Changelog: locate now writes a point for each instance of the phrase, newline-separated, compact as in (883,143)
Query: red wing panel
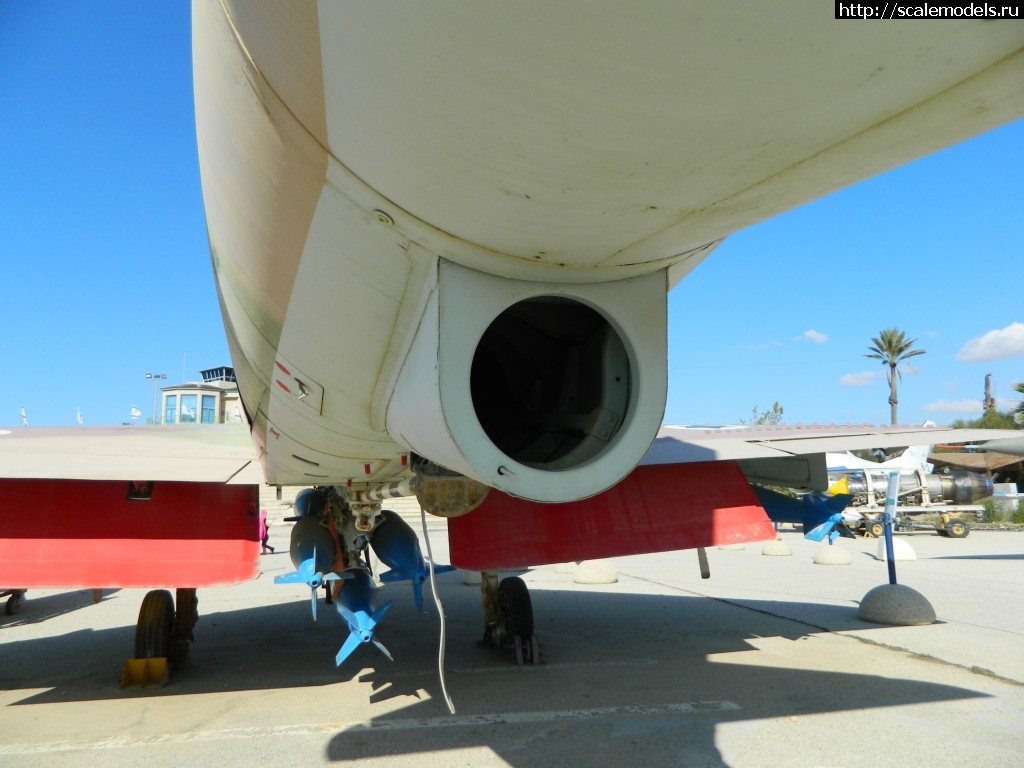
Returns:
(100,533)
(655,509)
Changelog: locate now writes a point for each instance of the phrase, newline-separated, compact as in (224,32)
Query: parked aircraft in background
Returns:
(913,457)
(442,239)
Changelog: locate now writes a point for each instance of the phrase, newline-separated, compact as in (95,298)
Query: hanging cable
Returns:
(440,611)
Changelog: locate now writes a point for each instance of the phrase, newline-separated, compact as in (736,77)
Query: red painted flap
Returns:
(655,509)
(107,533)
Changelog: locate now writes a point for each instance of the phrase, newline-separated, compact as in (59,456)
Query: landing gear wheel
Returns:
(154,632)
(515,620)
(874,529)
(957,529)
(13,603)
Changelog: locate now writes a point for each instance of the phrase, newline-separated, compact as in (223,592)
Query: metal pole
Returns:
(155,377)
(887,518)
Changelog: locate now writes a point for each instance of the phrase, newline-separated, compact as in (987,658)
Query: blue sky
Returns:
(107,273)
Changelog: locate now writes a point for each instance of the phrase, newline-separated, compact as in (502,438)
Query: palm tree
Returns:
(893,347)
(1018,412)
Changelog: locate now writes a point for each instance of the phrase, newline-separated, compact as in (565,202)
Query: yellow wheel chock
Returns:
(142,673)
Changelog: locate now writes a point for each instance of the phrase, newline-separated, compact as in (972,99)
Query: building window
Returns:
(209,409)
(171,409)
(188,409)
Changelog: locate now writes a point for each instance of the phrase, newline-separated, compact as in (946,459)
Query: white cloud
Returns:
(858,379)
(954,406)
(815,336)
(994,345)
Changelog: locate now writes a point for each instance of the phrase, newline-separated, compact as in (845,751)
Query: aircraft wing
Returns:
(221,453)
(128,506)
(794,456)
(691,490)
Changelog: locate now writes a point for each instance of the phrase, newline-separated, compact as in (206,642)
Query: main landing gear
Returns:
(13,601)
(163,636)
(508,617)
(163,630)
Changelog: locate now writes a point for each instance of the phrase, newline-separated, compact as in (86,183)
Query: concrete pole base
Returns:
(595,572)
(896,605)
(901,550)
(776,548)
(830,554)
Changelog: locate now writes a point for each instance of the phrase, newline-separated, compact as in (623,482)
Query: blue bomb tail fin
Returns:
(824,517)
(351,643)
(356,608)
(396,544)
(417,578)
(361,627)
(820,515)
(308,575)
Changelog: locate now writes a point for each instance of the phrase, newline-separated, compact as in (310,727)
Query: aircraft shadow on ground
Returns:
(643,638)
(34,610)
(613,663)
(621,721)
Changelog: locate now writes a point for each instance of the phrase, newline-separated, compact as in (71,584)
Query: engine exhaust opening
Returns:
(550,382)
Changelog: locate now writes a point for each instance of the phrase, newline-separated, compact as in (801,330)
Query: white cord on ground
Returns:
(440,612)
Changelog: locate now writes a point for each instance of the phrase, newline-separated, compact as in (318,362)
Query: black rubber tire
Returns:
(13,604)
(154,632)
(874,529)
(515,609)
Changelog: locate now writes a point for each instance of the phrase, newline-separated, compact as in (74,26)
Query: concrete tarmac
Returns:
(764,664)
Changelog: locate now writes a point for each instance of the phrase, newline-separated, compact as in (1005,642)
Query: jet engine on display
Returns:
(867,487)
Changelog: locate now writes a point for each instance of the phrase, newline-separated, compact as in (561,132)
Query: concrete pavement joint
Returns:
(513,668)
